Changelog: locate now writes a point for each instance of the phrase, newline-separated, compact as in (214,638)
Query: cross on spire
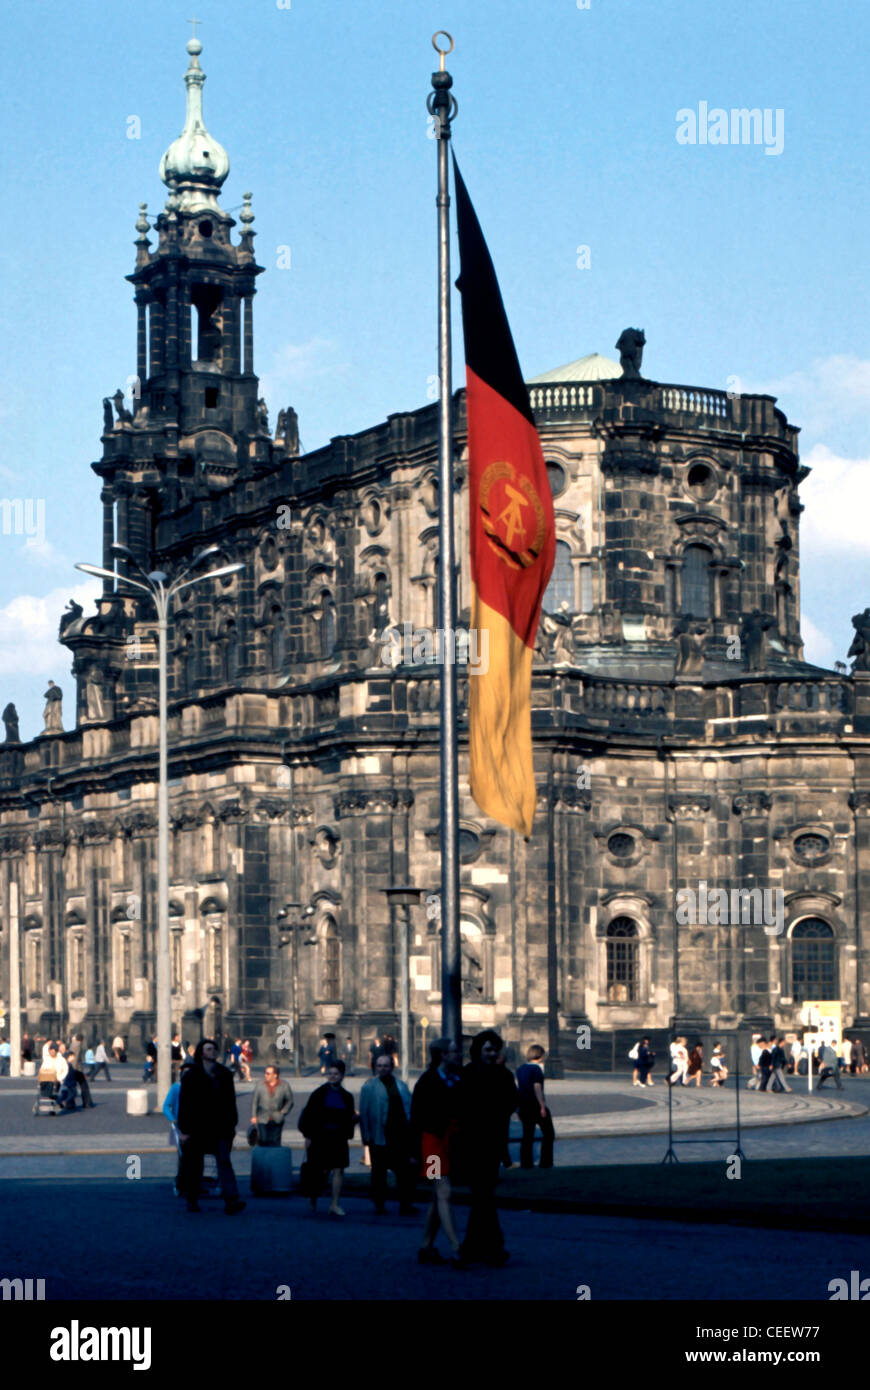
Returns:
(194,22)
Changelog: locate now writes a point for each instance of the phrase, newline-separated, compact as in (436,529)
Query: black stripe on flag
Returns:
(489,347)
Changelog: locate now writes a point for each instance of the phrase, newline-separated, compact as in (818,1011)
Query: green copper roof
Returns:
(593,367)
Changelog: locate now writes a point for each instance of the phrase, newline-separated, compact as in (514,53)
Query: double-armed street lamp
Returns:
(162,591)
(287,928)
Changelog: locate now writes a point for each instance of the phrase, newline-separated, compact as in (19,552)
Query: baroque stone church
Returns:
(679,735)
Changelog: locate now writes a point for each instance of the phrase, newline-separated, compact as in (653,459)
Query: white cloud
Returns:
(836,496)
(295,363)
(28,630)
(829,397)
(818,647)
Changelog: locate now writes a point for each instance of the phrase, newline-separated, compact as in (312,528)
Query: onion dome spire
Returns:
(195,165)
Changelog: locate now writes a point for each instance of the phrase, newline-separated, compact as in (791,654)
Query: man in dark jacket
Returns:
(207,1119)
(777,1063)
(488,1099)
(765,1064)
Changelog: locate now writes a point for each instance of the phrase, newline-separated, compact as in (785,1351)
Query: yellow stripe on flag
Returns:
(501,770)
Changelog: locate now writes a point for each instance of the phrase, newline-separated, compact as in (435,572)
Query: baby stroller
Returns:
(46,1094)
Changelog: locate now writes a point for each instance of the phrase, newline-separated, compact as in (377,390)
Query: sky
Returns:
(746,269)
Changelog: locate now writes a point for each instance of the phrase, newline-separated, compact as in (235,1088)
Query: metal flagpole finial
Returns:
(442,52)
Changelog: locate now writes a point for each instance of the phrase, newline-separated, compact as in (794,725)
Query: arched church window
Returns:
(560,590)
(622,961)
(696,587)
(330,962)
(813,960)
(382,602)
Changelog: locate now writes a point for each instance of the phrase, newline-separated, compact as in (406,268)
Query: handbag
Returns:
(253,1136)
(633,1054)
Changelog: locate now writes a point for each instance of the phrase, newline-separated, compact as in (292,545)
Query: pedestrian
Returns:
(853,1056)
(76,1058)
(271,1103)
(435,1116)
(489,1097)
(176,1055)
(236,1058)
(149,1071)
(765,1064)
(349,1056)
(170,1110)
(5,1056)
(327,1053)
(118,1048)
(374,1052)
(390,1046)
(695,1068)
(101,1061)
(717,1066)
(26,1048)
(246,1057)
(797,1053)
(54,1066)
(533,1110)
(755,1050)
(327,1123)
(829,1065)
(859,1054)
(845,1055)
(634,1054)
(646,1060)
(207,1119)
(679,1062)
(777,1064)
(385,1113)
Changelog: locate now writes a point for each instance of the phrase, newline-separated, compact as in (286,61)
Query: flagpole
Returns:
(442,106)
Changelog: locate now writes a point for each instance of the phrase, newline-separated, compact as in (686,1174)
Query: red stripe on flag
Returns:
(512,527)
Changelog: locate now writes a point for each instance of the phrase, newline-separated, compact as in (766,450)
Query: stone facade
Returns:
(680,738)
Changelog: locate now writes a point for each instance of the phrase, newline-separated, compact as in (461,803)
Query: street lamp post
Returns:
(404,896)
(162,593)
(287,937)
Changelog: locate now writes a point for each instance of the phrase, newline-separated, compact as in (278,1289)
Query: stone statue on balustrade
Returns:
(53,712)
(124,416)
(691,643)
(10,720)
(630,345)
(287,431)
(756,626)
(557,626)
(860,647)
(262,416)
(70,615)
(108,419)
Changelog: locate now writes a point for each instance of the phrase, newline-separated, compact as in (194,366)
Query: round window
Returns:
(205,228)
(811,847)
(621,845)
(701,482)
(558,481)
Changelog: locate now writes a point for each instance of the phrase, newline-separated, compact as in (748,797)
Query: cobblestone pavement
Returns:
(133,1240)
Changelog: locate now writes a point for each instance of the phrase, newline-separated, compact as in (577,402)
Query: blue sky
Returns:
(736,263)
